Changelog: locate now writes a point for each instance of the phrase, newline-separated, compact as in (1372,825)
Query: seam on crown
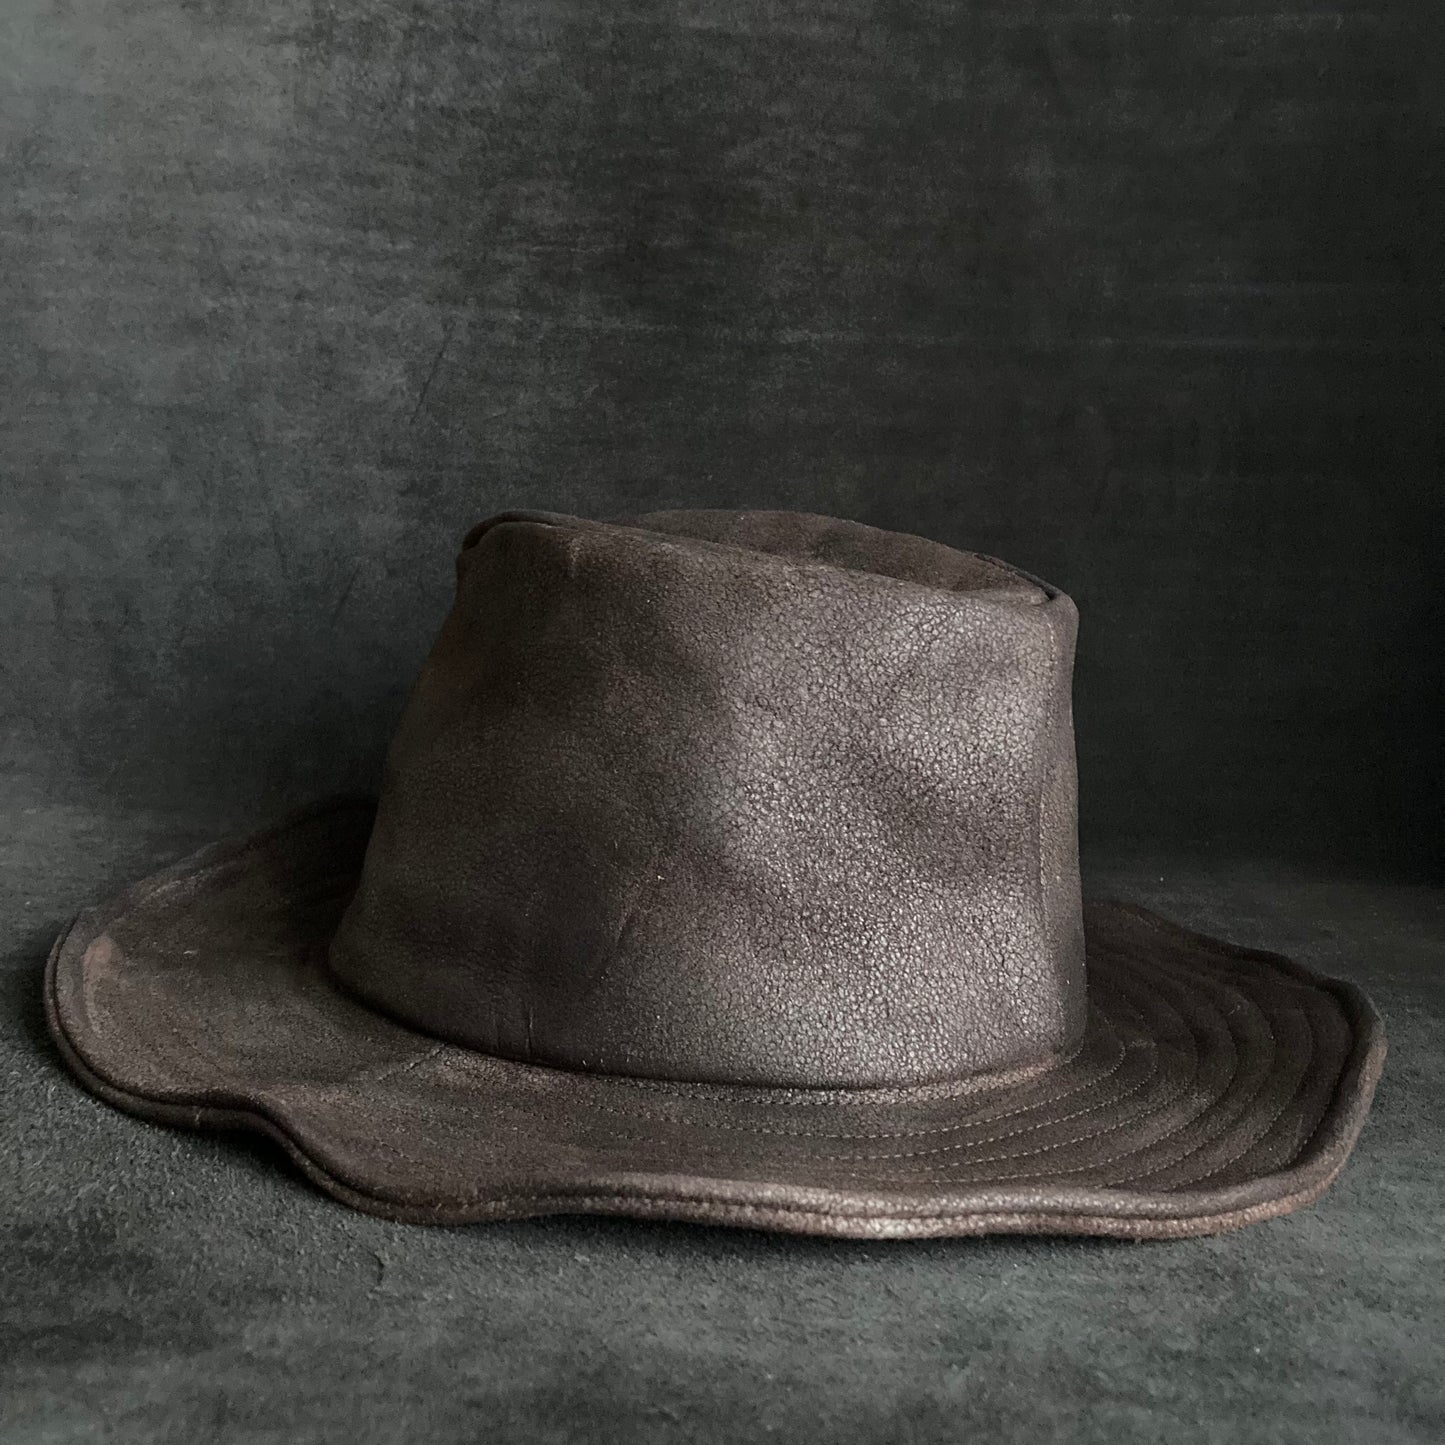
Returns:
(682,541)
(1044,762)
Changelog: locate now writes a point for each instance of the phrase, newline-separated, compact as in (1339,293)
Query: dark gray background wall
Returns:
(1139,294)
(1141,299)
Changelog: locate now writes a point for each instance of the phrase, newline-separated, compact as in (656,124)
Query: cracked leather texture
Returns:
(758,798)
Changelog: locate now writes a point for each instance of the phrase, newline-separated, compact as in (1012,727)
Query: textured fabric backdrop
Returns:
(295,290)
(1138,297)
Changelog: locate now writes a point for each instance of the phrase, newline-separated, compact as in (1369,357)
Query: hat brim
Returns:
(1214,1086)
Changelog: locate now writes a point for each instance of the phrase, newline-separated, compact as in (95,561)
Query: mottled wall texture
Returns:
(1140,298)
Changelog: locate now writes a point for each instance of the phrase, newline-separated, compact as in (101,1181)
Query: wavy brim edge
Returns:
(97,1012)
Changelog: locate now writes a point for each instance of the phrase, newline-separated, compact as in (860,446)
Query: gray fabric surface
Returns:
(163,1286)
(1142,299)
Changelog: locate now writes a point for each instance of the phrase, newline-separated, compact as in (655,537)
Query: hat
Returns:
(724,869)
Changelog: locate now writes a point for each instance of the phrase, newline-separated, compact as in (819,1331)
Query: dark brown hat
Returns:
(724,870)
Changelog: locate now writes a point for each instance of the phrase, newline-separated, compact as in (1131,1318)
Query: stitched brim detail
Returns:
(1214,1086)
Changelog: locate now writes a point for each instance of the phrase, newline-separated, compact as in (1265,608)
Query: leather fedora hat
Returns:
(724,869)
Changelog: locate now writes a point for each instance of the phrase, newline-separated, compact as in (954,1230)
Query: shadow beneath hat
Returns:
(715,1244)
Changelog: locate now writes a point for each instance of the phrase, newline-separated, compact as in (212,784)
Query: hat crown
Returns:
(755,798)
